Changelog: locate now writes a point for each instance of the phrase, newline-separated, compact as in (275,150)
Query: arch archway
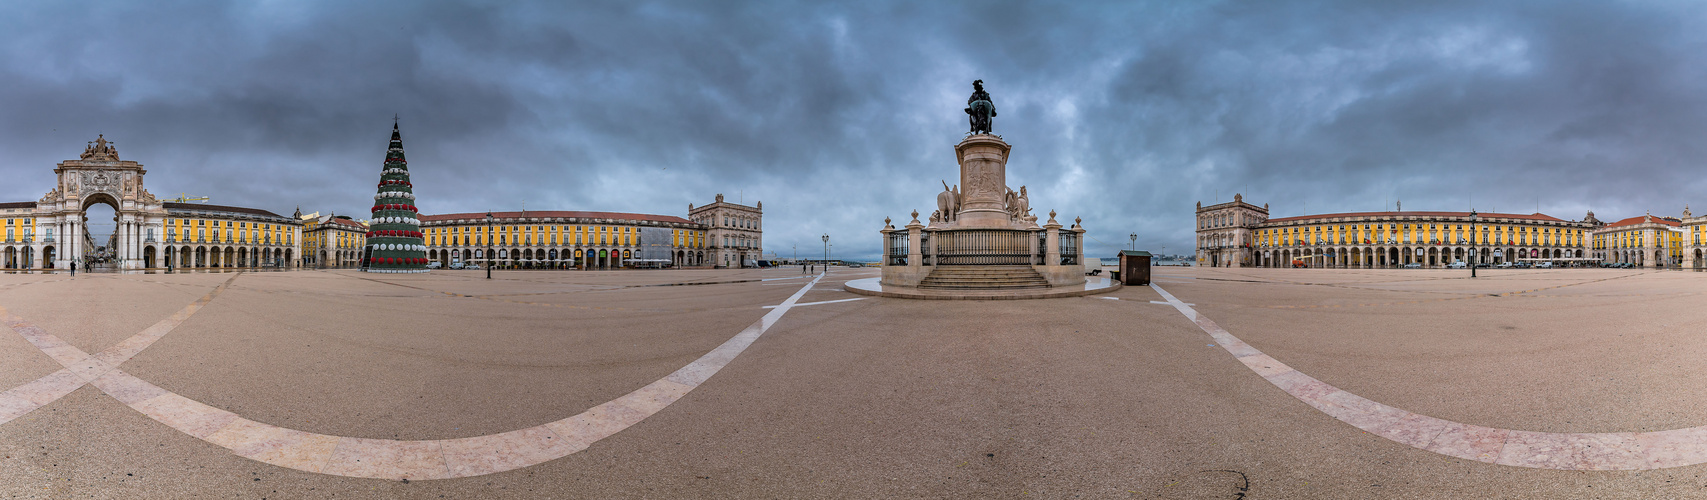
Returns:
(98,217)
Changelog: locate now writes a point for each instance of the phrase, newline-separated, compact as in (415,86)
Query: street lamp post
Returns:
(1473,249)
(488,245)
(827,253)
(1134,238)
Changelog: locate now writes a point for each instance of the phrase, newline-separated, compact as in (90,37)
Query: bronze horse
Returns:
(980,111)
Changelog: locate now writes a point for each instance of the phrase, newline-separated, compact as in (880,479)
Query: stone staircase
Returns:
(983,278)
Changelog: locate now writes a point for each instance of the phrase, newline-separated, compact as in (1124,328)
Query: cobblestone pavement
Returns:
(1214,383)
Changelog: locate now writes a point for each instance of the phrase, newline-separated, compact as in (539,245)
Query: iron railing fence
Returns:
(897,249)
(1069,248)
(983,247)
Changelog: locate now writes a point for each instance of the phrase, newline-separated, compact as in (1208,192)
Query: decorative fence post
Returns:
(1079,238)
(914,257)
(1037,239)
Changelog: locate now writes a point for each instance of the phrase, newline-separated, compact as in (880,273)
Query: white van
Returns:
(1457,264)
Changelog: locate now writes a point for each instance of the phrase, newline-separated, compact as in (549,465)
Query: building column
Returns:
(73,248)
(123,247)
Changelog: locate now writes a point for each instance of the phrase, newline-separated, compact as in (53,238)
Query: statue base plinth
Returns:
(985,219)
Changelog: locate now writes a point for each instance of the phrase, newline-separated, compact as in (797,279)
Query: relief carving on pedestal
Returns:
(983,179)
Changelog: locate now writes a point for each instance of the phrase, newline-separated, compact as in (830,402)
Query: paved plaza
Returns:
(1272,383)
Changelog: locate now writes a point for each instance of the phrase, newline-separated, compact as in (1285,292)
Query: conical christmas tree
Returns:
(394,240)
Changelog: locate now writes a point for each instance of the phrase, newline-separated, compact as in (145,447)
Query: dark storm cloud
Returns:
(837,116)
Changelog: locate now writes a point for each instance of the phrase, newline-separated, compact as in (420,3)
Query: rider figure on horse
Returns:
(979,109)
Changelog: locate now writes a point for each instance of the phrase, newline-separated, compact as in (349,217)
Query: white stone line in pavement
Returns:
(1166,303)
(431,459)
(820,302)
(80,367)
(1540,450)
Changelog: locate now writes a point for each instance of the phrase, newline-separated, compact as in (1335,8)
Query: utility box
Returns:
(1134,267)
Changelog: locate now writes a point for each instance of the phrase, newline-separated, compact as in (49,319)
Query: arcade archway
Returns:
(99,215)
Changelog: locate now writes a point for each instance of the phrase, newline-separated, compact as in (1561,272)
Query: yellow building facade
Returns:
(208,236)
(1695,239)
(1239,234)
(333,242)
(565,240)
(1644,241)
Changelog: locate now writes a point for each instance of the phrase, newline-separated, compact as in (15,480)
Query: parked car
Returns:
(456,265)
(1457,264)
(855,264)
(1413,265)
(435,265)
(1544,265)
(471,266)
(1505,265)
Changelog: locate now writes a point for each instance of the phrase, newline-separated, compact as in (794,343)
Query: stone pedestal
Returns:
(983,182)
(979,240)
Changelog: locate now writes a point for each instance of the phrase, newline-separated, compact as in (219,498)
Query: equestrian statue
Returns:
(980,111)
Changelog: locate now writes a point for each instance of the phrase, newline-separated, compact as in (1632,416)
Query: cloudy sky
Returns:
(836,116)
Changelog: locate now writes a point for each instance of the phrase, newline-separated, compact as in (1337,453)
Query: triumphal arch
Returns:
(52,233)
(99,176)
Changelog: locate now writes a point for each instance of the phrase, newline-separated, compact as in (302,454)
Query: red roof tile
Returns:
(1639,219)
(1489,215)
(347,222)
(553,214)
(219,208)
